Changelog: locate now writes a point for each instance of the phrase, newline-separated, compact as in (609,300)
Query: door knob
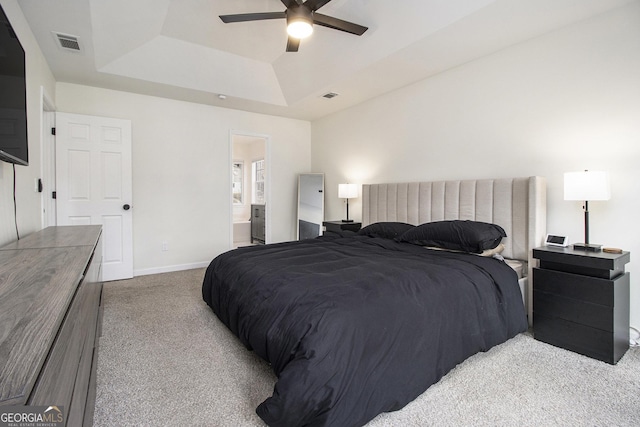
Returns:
(126,207)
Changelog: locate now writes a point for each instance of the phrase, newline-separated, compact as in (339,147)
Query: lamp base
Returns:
(347,220)
(588,247)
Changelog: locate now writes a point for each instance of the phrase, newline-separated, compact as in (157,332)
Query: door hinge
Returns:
(53,131)
(53,195)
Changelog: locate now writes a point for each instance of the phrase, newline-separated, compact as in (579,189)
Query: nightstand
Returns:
(581,301)
(337,226)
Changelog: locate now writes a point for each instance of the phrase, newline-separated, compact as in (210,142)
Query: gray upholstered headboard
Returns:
(516,204)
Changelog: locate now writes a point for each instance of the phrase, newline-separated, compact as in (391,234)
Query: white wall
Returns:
(28,201)
(566,101)
(181,171)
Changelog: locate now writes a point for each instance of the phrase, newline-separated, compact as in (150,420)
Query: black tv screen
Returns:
(13,96)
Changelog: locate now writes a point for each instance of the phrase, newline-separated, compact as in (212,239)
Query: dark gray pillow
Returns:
(386,230)
(467,236)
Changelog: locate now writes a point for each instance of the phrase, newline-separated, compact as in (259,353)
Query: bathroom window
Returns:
(237,183)
(257,173)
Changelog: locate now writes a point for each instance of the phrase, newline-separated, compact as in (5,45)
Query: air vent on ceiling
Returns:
(68,42)
(330,95)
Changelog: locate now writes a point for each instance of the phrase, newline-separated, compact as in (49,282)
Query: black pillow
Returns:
(467,236)
(386,230)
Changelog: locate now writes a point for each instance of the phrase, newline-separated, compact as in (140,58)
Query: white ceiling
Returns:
(180,49)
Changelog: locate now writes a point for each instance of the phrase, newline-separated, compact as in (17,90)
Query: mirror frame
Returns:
(299,204)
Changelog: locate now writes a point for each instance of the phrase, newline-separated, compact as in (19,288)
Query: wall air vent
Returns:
(330,95)
(68,42)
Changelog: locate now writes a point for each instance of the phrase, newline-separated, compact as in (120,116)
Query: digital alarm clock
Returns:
(554,240)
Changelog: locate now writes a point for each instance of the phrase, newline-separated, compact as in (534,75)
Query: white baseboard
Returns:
(170,268)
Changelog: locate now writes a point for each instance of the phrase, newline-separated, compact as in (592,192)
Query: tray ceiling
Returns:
(180,49)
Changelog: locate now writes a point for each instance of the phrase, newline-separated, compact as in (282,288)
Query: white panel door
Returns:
(93,184)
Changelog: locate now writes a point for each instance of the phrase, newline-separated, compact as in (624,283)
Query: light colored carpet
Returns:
(166,360)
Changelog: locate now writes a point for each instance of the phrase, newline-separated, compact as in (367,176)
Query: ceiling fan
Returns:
(300,19)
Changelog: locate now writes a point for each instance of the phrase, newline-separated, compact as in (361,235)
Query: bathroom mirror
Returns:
(237,183)
(310,205)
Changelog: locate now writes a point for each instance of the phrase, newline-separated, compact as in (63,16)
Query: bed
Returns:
(356,324)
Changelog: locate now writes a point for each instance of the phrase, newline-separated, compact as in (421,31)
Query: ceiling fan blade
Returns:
(293,44)
(244,17)
(338,24)
(315,4)
(290,3)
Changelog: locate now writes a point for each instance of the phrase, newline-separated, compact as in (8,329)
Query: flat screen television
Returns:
(13,96)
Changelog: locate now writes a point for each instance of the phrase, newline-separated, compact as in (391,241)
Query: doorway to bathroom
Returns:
(249,189)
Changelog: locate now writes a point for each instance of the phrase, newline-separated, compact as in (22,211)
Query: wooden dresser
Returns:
(50,290)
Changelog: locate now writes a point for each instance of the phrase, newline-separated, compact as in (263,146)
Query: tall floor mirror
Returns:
(310,205)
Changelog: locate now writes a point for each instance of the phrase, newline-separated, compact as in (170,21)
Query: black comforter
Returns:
(355,326)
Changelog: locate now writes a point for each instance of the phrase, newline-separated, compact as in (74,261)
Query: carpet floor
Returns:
(165,360)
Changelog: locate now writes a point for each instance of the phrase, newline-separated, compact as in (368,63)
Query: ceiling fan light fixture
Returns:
(301,15)
(299,29)
(299,22)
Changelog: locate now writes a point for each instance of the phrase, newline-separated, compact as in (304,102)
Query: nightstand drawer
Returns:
(584,288)
(572,310)
(337,226)
(579,338)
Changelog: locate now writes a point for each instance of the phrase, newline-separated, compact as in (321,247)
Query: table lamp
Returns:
(347,191)
(586,186)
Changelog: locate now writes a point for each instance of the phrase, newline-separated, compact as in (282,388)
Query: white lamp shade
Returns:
(586,186)
(347,191)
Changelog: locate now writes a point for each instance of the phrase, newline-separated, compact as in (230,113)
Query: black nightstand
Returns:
(581,301)
(337,226)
